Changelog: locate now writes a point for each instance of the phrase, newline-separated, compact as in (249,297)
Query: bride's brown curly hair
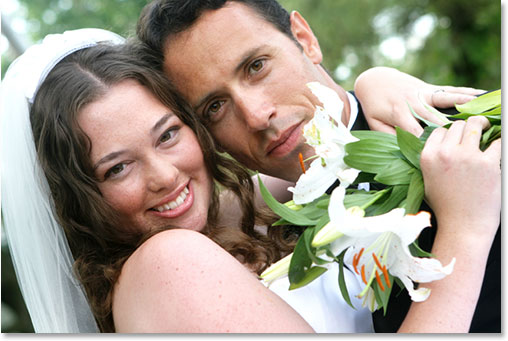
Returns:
(99,246)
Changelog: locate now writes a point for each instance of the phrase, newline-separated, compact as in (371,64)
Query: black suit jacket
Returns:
(487,316)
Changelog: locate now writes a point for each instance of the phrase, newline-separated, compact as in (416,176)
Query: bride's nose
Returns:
(161,174)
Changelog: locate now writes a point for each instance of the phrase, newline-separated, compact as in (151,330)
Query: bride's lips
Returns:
(286,143)
(181,209)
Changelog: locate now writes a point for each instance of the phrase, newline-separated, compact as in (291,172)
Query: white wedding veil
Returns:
(40,253)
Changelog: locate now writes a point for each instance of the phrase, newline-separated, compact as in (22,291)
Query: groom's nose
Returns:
(256,109)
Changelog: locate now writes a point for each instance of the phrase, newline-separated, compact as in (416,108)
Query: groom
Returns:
(243,66)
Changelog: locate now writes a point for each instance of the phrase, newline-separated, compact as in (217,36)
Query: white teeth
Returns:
(175,203)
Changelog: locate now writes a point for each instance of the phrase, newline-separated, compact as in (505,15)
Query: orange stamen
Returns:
(356,259)
(300,157)
(378,279)
(360,253)
(377,261)
(355,263)
(363,274)
(387,278)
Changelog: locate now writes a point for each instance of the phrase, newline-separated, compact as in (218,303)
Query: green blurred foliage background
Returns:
(452,42)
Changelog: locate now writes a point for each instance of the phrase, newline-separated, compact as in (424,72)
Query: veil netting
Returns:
(40,253)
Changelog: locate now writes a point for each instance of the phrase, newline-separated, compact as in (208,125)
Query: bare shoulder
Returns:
(159,276)
(180,281)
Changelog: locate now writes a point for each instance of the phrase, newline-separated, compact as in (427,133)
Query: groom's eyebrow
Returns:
(243,60)
(247,56)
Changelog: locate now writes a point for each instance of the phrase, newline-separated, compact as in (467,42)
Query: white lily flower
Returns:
(378,245)
(329,136)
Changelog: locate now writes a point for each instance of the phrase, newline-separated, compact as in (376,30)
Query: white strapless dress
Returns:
(321,304)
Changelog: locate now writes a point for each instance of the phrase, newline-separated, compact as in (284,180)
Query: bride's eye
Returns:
(169,134)
(115,170)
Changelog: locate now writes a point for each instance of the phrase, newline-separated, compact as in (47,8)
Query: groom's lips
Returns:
(286,142)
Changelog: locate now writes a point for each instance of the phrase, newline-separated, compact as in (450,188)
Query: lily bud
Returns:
(329,233)
(277,270)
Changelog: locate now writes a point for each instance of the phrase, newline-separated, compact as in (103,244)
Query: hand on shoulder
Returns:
(385,93)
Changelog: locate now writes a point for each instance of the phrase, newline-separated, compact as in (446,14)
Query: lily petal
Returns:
(314,183)
(331,101)
(417,295)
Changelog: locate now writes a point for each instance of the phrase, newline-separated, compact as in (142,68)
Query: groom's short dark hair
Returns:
(162,18)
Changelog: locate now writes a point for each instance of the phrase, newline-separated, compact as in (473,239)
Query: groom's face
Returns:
(247,80)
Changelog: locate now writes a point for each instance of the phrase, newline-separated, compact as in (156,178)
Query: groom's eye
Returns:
(256,66)
(213,109)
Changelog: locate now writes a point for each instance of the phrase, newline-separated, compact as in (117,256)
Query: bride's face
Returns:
(149,164)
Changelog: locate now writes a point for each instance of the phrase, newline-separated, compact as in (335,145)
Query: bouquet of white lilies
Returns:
(372,233)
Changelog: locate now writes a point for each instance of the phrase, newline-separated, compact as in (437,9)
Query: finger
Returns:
(443,99)
(463,90)
(381,126)
(410,124)
(495,150)
(473,130)
(435,139)
(431,148)
(454,134)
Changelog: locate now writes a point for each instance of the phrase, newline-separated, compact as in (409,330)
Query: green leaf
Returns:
(494,114)
(317,208)
(323,203)
(415,193)
(410,146)
(382,296)
(294,217)
(310,275)
(396,173)
(398,193)
(362,198)
(281,222)
(358,199)
(481,103)
(370,155)
(489,136)
(342,281)
(381,137)
(427,122)
(417,251)
(426,133)
(300,261)
(364,177)
(309,236)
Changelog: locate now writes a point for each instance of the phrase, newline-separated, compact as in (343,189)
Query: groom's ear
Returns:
(305,37)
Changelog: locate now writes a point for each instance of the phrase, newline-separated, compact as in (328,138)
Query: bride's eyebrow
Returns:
(107,158)
(161,122)
(155,128)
